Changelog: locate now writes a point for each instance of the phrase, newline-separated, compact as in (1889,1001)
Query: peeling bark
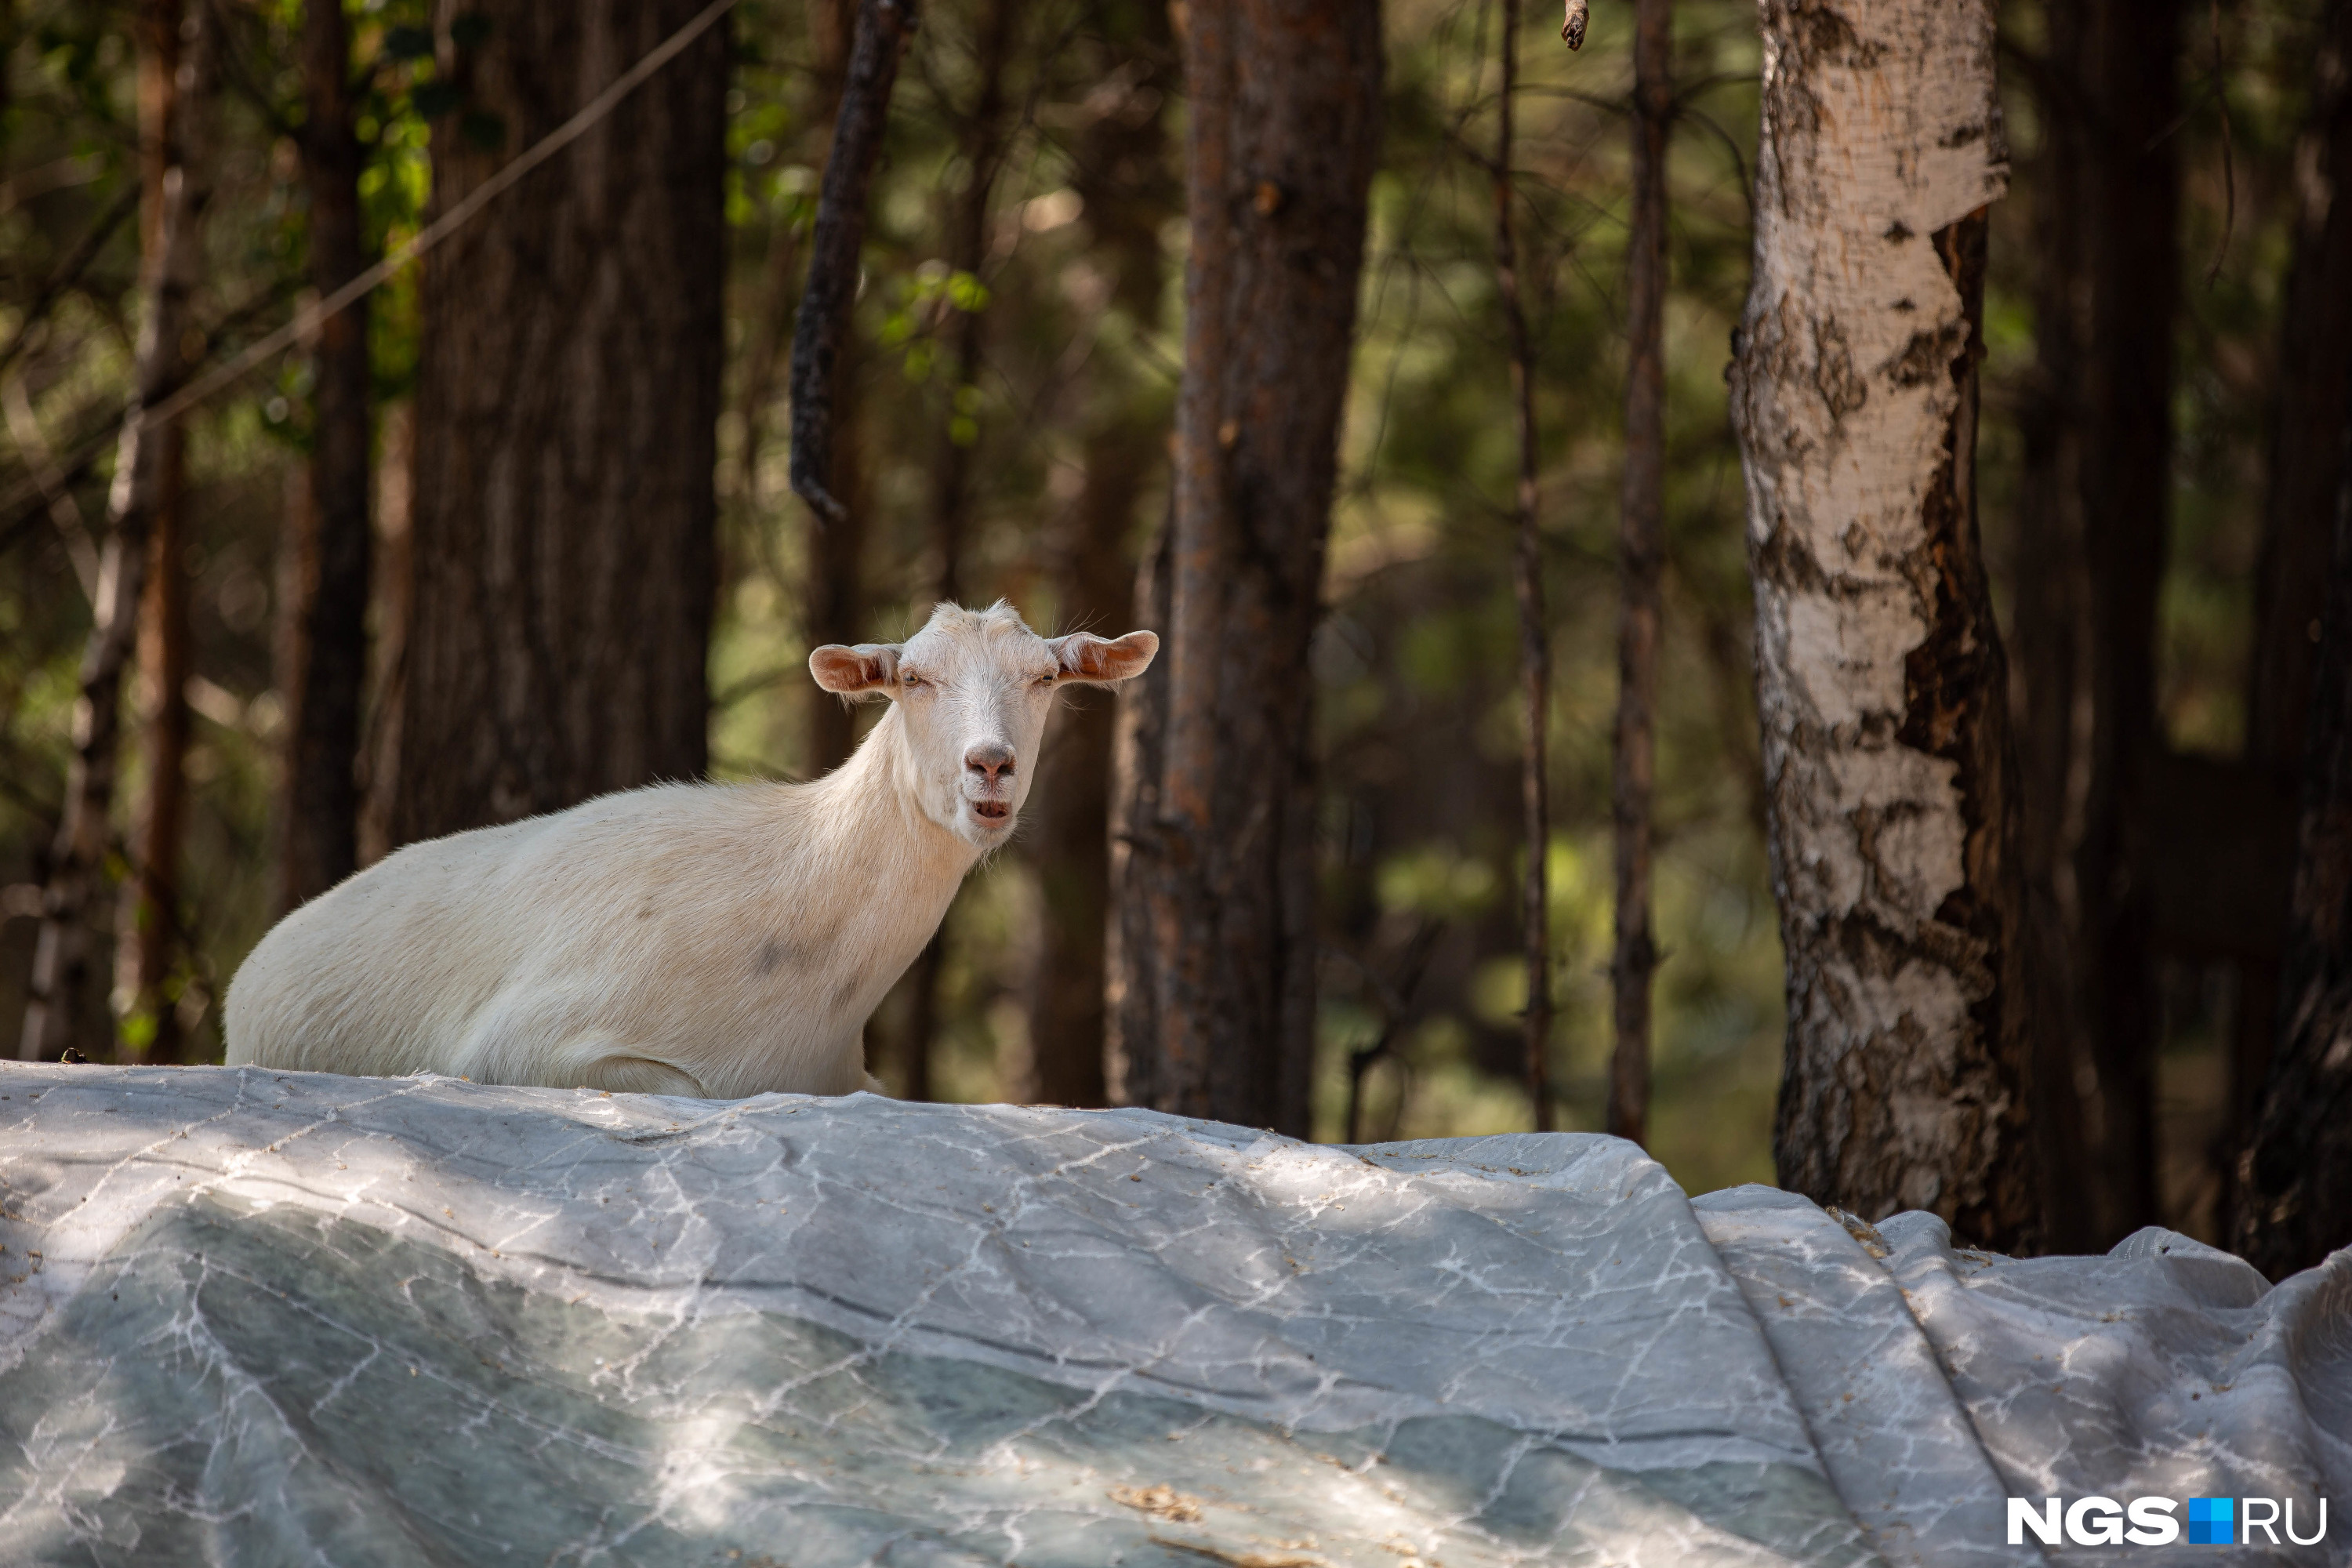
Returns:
(1879,670)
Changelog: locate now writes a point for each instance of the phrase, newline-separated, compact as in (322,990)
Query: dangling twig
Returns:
(884,27)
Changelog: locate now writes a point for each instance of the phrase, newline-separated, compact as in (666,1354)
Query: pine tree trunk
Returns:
(2052,622)
(1133,1069)
(833,597)
(1284,101)
(1120,176)
(1069,1029)
(324,686)
(1879,671)
(2294,1180)
(2133,256)
(567,398)
(2307,452)
(1534,649)
(1641,559)
(392,605)
(981,150)
(2306,474)
(61,1009)
(147,938)
(147,906)
(2091,542)
(769,340)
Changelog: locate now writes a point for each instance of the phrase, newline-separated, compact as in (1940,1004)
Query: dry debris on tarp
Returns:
(257,1318)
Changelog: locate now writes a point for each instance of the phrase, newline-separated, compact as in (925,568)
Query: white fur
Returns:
(685,939)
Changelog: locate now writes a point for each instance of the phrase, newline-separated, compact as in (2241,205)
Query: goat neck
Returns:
(877,864)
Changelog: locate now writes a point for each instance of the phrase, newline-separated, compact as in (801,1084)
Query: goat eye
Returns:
(910,681)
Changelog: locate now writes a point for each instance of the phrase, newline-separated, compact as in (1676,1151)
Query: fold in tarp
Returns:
(254,1318)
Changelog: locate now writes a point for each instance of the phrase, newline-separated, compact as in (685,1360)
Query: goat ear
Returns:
(1086,656)
(868,666)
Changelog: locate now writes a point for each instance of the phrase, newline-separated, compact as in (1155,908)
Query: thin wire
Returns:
(306,320)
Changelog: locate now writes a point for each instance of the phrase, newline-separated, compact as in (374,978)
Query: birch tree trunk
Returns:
(57,1012)
(1284,99)
(1879,670)
(567,400)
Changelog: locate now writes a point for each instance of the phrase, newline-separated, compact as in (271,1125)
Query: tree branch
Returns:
(884,27)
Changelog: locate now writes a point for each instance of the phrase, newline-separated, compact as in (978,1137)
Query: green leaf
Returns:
(967,293)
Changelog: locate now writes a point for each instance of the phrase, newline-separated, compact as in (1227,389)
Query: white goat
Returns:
(685,939)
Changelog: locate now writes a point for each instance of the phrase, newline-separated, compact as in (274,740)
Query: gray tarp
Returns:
(254,1318)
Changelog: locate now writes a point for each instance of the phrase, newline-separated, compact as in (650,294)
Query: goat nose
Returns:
(991,758)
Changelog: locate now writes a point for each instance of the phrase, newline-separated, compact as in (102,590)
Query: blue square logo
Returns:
(2211,1521)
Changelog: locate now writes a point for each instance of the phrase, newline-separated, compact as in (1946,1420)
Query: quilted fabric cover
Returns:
(255,1318)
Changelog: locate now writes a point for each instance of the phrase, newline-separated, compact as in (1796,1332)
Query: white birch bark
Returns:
(1879,673)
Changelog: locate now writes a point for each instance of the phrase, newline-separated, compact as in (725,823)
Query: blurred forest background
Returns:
(1006,413)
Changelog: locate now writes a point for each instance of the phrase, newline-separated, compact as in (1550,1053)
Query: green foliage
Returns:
(1413,671)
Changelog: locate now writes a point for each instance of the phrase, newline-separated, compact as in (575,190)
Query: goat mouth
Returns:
(995,813)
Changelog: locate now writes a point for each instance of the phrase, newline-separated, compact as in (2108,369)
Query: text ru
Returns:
(2149,1521)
